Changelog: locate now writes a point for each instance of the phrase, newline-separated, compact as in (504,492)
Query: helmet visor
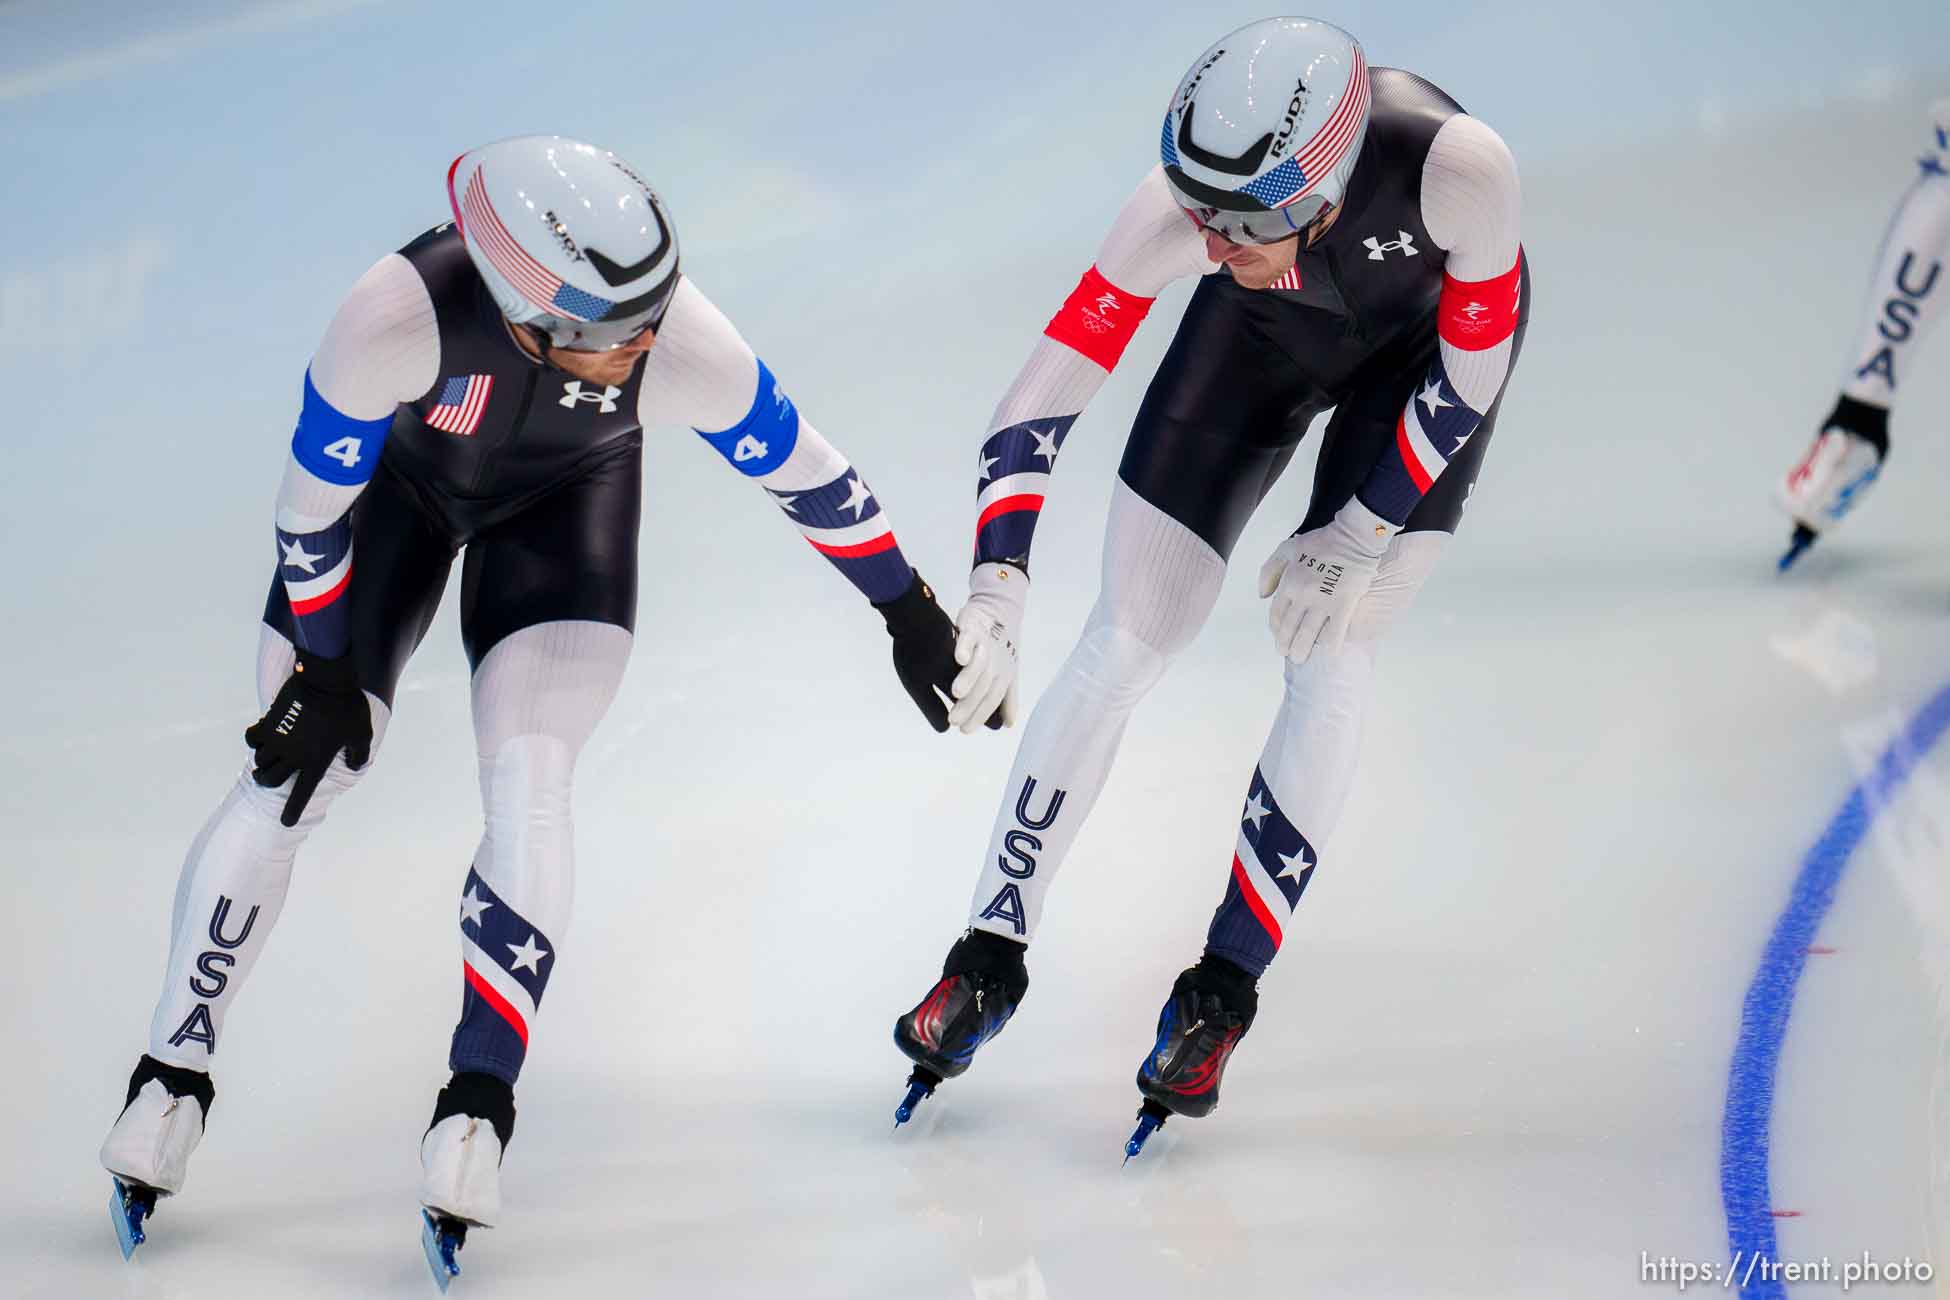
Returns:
(591,336)
(1266,226)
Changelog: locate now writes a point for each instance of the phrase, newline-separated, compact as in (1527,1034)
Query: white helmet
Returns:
(567,237)
(1266,127)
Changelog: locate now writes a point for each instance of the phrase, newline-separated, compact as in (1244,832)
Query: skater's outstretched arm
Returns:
(702,373)
(1472,207)
(1152,243)
(1906,296)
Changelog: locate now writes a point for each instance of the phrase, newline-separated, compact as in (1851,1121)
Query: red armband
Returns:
(1478,314)
(1098,319)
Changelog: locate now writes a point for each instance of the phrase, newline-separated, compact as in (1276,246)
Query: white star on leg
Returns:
(1464,442)
(296,557)
(1256,812)
(1432,397)
(471,907)
(857,498)
(1295,864)
(1045,445)
(785,504)
(529,955)
(985,464)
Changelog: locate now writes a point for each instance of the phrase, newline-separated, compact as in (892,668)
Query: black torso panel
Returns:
(496,424)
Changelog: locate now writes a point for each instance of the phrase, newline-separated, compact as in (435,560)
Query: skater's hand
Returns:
(319,712)
(986,634)
(924,649)
(1316,580)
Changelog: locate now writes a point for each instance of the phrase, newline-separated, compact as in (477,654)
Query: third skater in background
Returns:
(1905,299)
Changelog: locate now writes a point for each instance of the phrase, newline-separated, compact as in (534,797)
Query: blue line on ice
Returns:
(1764,1017)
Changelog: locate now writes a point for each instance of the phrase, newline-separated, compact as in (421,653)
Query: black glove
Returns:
(319,711)
(924,649)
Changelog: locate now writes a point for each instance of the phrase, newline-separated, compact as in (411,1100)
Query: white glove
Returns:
(1831,478)
(1317,578)
(985,647)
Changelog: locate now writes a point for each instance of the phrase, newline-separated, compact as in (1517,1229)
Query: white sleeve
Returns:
(702,373)
(1151,243)
(1472,205)
(382,348)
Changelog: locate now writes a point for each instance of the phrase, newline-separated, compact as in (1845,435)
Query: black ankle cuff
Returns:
(1867,422)
(981,952)
(179,1082)
(480,1096)
(1236,988)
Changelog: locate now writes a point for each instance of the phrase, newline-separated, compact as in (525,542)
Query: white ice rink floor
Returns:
(1493,1059)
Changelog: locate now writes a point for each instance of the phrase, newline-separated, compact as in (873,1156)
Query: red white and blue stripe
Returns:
(316,569)
(1271,866)
(505,962)
(1012,479)
(1472,317)
(460,404)
(1432,428)
(844,522)
(528,277)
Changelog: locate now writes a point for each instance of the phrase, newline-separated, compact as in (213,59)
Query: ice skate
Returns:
(148,1149)
(460,1156)
(1210,1009)
(982,982)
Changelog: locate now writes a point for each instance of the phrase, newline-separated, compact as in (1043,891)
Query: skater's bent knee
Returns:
(528,777)
(1119,659)
(263,805)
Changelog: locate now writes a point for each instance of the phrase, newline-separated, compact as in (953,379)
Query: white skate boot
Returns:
(148,1149)
(460,1161)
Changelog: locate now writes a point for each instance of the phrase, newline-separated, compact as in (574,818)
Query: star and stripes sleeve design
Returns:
(1010,483)
(1471,205)
(382,348)
(1150,244)
(812,483)
(843,522)
(1271,865)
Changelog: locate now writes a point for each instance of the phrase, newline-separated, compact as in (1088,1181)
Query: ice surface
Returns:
(1492,1058)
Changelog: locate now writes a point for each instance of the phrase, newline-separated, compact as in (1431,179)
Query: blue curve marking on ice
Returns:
(1764,1016)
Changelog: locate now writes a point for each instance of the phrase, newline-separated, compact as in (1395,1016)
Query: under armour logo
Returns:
(572,393)
(1378,251)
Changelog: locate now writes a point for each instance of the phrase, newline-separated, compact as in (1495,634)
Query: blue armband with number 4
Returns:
(333,445)
(760,443)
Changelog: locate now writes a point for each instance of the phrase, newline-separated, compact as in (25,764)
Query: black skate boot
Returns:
(148,1149)
(1210,1009)
(460,1156)
(981,984)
